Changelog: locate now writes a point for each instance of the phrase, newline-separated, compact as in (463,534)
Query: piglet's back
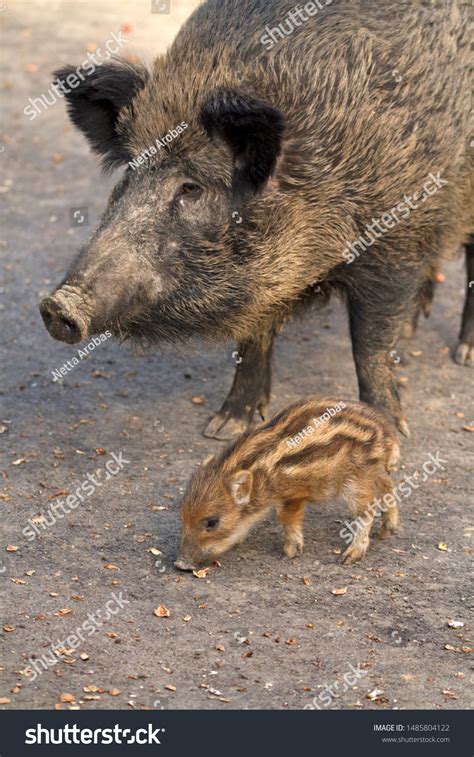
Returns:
(325,428)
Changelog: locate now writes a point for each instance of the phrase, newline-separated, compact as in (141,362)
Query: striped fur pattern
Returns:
(286,464)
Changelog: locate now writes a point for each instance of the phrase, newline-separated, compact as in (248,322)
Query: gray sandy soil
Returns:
(259,631)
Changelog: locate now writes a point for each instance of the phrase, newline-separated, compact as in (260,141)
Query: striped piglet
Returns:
(310,452)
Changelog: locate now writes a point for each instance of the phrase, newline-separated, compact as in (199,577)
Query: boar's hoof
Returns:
(224,426)
(402,425)
(464,354)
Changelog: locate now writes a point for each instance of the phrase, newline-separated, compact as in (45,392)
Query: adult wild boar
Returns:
(300,130)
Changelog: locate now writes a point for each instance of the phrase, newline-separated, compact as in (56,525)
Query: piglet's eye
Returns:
(211,523)
(189,192)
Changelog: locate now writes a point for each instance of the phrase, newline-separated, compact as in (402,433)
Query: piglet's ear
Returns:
(241,487)
(253,129)
(94,100)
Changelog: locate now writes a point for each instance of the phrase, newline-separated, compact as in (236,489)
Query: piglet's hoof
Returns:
(293,548)
(353,554)
(224,426)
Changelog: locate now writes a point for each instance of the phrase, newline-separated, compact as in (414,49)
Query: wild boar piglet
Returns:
(315,450)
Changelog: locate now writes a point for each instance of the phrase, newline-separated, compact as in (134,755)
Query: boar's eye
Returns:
(211,523)
(188,192)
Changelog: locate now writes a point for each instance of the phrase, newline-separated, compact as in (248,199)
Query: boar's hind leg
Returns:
(465,350)
(375,326)
(250,391)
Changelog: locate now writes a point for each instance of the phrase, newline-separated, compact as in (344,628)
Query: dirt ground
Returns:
(259,631)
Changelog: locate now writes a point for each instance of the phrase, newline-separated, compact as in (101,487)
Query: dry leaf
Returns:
(9,629)
(84,656)
(339,592)
(5,700)
(64,611)
(109,566)
(198,400)
(162,612)
(442,546)
(449,694)
(11,548)
(306,580)
(155,551)
(115,692)
(67,698)
(201,573)
(169,686)
(455,624)
(374,695)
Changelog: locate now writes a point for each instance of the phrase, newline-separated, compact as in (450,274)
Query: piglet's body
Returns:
(311,452)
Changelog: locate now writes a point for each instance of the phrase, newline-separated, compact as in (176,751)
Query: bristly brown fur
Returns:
(307,142)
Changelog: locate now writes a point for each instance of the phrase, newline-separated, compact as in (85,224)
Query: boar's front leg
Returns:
(465,350)
(250,391)
(375,326)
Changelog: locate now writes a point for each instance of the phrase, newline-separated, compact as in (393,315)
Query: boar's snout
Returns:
(62,319)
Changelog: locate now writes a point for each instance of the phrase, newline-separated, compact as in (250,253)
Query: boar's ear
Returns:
(253,130)
(94,100)
(241,487)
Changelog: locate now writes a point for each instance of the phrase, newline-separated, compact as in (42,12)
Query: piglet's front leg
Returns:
(291,515)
